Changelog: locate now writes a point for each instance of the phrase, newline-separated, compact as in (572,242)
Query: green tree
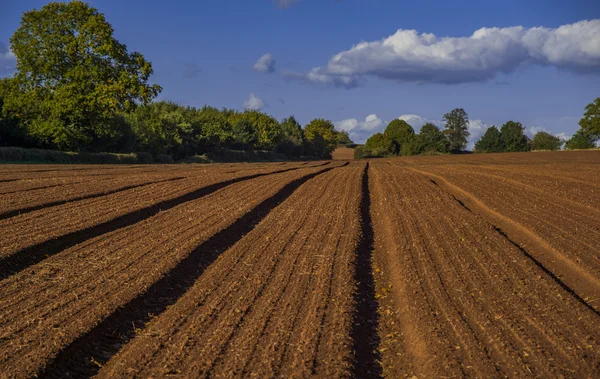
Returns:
(377,141)
(343,138)
(546,141)
(590,123)
(431,139)
(490,142)
(457,129)
(268,129)
(400,136)
(514,138)
(292,143)
(159,127)
(322,136)
(579,141)
(73,76)
(244,135)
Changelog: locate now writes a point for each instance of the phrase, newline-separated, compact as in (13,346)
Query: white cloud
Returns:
(254,102)
(285,3)
(361,130)
(7,60)
(533,130)
(407,56)
(417,121)
(266,63)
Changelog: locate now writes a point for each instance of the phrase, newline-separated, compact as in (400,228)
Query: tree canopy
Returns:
(579,141)
(513,137)
(590,123)
(457,129)
(546,141)
(73,76)
(323,137)
(490,142)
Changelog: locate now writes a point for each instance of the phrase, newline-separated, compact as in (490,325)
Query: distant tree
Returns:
(268,129)
(431,139)
(377,141)
(457,129)
(400,131)
(590,123)
(292,143)
(579,141)
(490,142)
(159,127)
(244,135)
(546,141)
(73,76)
(514,138)
(322,136)
(343,138)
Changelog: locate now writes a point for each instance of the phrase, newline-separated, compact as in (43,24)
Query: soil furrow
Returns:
(214,328)
(33,254)
(124,323)
(446,301)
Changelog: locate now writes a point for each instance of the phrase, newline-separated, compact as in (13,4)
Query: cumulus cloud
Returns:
(283,4)
(266,63)
(7,60)
(361,130)
(417,121)
(408,56)
(533,130)
(254,102)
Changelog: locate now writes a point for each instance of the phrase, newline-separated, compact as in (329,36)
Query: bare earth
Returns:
(448,266)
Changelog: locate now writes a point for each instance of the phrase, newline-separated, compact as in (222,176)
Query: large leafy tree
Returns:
(322,136)
(546,141)
(73,76)
(377,141)
(590,123)
(580,140)
(268,130)
(431,139)
(457,129)
(401,137)
(490,142)
(292,143)
(513,137)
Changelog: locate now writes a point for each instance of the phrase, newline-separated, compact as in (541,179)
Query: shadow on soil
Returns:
(85,356)
(366,318)
(34,254)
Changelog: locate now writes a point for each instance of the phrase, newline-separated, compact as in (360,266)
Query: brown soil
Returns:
(446,266)
(343,154)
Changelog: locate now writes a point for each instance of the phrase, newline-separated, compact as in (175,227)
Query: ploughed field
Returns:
(450,266)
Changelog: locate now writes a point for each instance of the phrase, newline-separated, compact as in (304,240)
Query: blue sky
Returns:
(207,52)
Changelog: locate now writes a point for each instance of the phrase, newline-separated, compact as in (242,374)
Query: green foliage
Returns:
(322,137)
(580,140)
(292,142)
(73,76)
(546,141)
(244,135)
(490,142)
(401,137)
(19,154)
(431,140)
(457,129)
(159,127)
(268,130)
(590,123)
(377,141)
(513,138)
(343,138)
(361,152)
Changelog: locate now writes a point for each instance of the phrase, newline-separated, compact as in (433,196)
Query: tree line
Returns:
(76,88)
(399,138)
